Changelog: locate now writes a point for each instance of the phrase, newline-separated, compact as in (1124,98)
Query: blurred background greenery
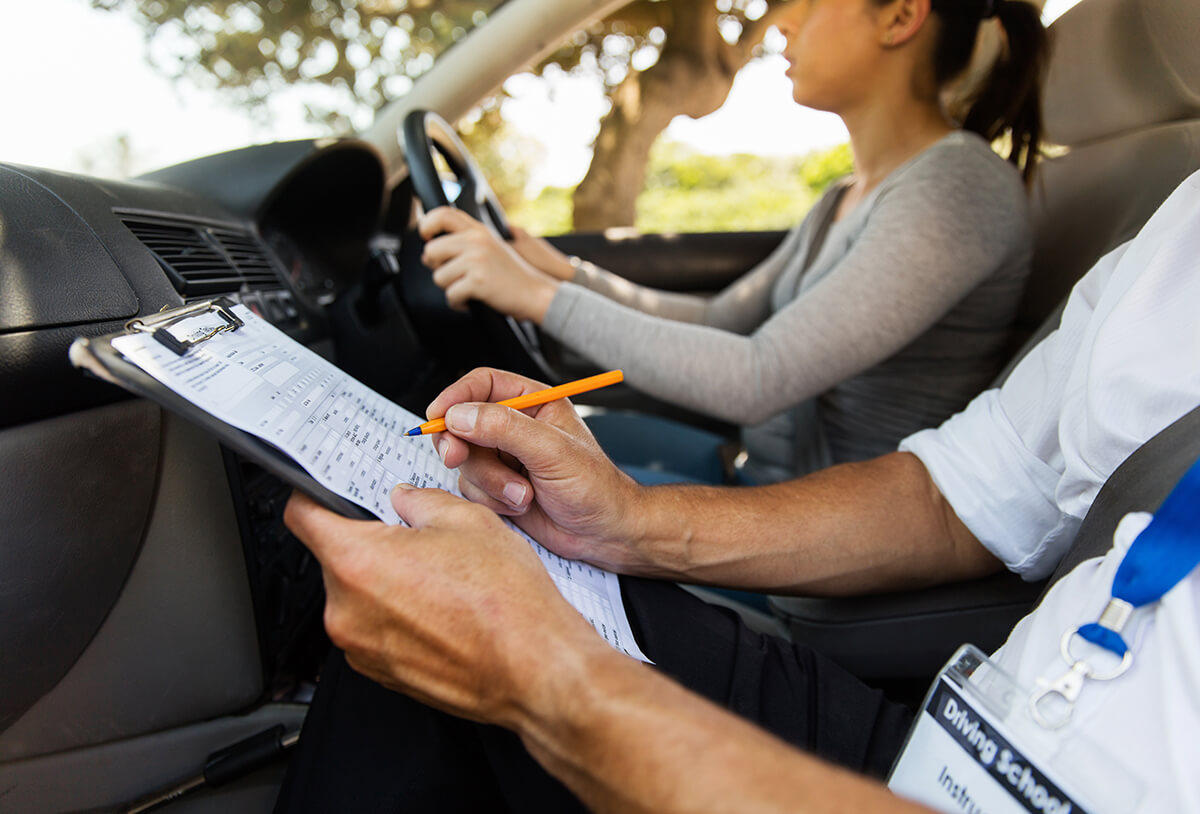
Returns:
(686,191)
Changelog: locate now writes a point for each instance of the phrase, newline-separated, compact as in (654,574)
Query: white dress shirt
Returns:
(1022,464)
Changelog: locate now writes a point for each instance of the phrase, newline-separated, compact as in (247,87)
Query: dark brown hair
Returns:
(1009,101)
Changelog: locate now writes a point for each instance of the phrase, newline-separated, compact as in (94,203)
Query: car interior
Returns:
(157,611)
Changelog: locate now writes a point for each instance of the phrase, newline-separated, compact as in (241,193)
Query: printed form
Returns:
(347,436)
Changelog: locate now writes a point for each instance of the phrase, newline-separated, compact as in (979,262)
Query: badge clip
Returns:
(1068,686)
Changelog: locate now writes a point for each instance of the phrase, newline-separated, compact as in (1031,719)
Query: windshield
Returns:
(117,88)
(120,87)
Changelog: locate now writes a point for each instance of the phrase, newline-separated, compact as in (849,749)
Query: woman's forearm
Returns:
(665,304)
(715,372)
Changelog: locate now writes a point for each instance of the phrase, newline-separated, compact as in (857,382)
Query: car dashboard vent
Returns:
(202,259)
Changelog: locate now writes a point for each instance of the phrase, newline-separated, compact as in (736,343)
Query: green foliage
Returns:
(690,192)
(822,169)
(745,209)
(547,214)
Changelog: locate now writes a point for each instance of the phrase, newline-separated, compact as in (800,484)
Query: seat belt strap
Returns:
(1140,484)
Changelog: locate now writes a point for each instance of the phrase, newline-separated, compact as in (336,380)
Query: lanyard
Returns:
(1163,554)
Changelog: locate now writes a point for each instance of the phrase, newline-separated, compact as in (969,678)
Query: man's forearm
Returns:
(624,738)
(853,528)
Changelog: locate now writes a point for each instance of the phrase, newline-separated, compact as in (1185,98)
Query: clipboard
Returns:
(254,383)
(98,356)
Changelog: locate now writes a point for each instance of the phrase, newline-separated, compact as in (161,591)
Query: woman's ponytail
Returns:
(1009,102)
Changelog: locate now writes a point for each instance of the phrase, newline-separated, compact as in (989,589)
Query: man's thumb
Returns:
(536,442)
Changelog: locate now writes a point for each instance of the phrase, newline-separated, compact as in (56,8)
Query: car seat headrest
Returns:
(1121,65)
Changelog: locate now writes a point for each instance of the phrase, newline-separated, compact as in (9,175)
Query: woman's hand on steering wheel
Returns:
(471,262)
(436,157)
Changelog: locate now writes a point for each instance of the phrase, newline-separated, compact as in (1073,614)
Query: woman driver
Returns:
(883,312)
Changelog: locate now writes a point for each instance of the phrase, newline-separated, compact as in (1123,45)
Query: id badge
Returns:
(974,747)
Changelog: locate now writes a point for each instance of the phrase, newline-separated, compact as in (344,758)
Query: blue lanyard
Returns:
(1163,554)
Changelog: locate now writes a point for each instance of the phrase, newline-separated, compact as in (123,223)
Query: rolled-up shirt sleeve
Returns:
(1022,464)
(1002,492)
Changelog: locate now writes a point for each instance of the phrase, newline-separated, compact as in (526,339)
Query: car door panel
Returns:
(78,490)
(105,777)
(179,644)
(698,262)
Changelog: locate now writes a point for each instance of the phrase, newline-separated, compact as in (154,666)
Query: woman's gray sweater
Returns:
(853,334)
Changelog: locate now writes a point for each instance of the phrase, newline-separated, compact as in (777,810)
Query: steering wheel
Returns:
(512,343)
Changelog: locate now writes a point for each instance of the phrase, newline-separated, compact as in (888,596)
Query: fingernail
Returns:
(404,486)
(440,445)
(514,493)
(462,417)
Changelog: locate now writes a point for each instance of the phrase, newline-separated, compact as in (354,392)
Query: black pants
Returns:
(366,749)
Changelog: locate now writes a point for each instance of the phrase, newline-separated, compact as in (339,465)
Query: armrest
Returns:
(909,634)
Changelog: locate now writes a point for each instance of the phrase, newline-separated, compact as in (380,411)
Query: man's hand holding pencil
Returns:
(541,467)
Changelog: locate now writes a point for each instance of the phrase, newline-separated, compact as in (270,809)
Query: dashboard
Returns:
(287,229)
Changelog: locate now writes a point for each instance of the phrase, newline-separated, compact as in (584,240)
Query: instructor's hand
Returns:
(456,611)
(541,467)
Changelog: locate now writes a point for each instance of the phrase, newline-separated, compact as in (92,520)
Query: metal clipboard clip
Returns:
(157,325)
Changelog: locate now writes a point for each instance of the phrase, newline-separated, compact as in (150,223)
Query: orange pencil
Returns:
(562,391)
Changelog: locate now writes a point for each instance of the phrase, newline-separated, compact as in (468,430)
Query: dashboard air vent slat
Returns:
(206,260)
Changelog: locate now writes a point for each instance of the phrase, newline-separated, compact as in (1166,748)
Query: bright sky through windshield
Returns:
(77,83)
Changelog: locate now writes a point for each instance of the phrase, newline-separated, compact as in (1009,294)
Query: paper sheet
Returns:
(347,436)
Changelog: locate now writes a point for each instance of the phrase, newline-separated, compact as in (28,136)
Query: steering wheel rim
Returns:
(427,134)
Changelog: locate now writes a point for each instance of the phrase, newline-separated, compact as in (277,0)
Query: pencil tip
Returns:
(414,431)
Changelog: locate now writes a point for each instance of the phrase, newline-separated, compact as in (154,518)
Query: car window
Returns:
(740,168)
(652,130)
